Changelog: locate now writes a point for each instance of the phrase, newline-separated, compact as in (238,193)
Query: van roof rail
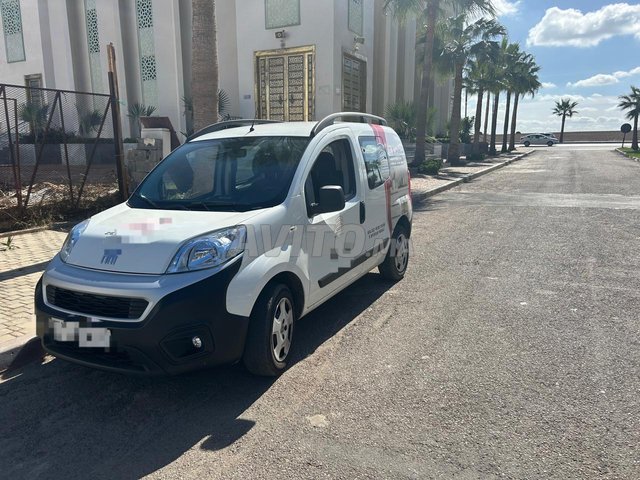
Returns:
(356,117)
(216,127)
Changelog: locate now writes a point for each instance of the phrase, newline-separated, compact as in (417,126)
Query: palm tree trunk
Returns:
(514,119)
(634,142)
(564,119)
(423,105)
(494,123)
(486,117)
(204,68)
(505,131)
(454,130)
(478,122)
(466,102)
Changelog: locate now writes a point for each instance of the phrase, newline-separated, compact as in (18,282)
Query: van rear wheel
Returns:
(397,259)
(270,334)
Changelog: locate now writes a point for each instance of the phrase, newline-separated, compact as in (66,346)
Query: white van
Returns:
(234,236)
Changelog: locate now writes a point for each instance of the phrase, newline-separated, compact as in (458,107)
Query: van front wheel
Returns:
(270,334)
(397,259)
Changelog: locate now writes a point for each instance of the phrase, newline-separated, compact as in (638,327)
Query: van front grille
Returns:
(94,305)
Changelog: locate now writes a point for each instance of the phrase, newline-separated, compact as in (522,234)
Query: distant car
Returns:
(538,139)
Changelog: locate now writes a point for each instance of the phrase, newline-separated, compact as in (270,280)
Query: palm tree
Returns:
(428,11)
(462,40)
(204,65)
(526,82)
(565,108)
(631,103)
(137,110)
(479,81)
(36,115)
(498,71)
(509,78)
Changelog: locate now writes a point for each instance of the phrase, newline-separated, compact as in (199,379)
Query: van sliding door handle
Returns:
(363,213)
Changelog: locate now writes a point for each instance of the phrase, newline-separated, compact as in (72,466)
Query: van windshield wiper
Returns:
(214,206)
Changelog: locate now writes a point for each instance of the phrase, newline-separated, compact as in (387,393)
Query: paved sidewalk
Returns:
(22,265)
(423,186)
(20,269)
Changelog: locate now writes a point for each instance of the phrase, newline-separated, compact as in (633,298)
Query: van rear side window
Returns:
(376,161)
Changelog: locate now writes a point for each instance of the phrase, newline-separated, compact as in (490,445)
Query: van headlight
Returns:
(209,250)
(72,239)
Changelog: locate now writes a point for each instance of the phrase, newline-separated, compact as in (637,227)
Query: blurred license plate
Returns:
(91,337)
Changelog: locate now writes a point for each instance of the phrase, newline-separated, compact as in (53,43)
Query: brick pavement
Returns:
(20,269)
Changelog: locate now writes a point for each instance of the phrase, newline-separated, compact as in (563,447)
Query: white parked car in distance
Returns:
(539,139)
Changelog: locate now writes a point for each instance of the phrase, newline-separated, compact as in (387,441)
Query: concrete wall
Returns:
(15,72)
(344,43)
(252,36)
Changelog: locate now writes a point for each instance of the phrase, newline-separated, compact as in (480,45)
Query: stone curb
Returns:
(417,196)
(15,233)
(635,159)
(53,226)
(9,350)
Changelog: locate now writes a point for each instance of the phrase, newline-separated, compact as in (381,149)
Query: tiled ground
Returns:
(20,269)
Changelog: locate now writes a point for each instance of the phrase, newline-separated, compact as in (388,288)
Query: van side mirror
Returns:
(331,199)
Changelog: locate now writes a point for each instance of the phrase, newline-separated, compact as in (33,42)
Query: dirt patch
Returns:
(51,202)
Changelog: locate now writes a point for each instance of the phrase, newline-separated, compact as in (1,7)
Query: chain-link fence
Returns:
(55,146)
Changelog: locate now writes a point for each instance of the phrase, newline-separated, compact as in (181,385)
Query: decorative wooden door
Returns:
(354,84)
(285,84)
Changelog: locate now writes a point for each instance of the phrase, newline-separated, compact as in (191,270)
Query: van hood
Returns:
(132,240)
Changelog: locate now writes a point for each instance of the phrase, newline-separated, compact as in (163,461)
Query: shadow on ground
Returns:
(427,204)
(61,420)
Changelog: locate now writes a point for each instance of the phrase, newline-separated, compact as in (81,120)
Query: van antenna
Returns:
(252,124)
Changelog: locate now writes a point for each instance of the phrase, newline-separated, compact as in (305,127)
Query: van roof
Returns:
(284,129)
(262,128)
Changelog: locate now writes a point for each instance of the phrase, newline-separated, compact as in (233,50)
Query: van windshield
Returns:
(236,174)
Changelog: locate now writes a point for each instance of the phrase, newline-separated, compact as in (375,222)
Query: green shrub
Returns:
(402,118)
(430,166)
(466,125)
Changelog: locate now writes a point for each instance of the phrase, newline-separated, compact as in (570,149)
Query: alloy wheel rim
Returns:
(402,253)
(282,329)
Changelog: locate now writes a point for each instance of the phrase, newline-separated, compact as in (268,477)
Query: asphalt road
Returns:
(511,350)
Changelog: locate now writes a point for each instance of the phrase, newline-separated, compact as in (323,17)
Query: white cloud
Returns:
(553,98)
(548,85)
(599,80)
(630,73)
(505,8)
(571,27)
(603,79)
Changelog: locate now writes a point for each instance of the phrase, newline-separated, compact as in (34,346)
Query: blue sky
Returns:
(589,50)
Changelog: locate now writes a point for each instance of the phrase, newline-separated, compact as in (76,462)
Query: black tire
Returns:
(260,356)
(526,144)
(394,267)
(550,143)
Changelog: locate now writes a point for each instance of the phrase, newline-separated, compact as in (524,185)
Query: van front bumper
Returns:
(162,341)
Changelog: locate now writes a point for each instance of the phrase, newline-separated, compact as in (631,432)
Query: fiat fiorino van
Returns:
(232,238)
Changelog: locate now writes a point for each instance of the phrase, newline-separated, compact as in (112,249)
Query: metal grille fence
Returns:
(55,146)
